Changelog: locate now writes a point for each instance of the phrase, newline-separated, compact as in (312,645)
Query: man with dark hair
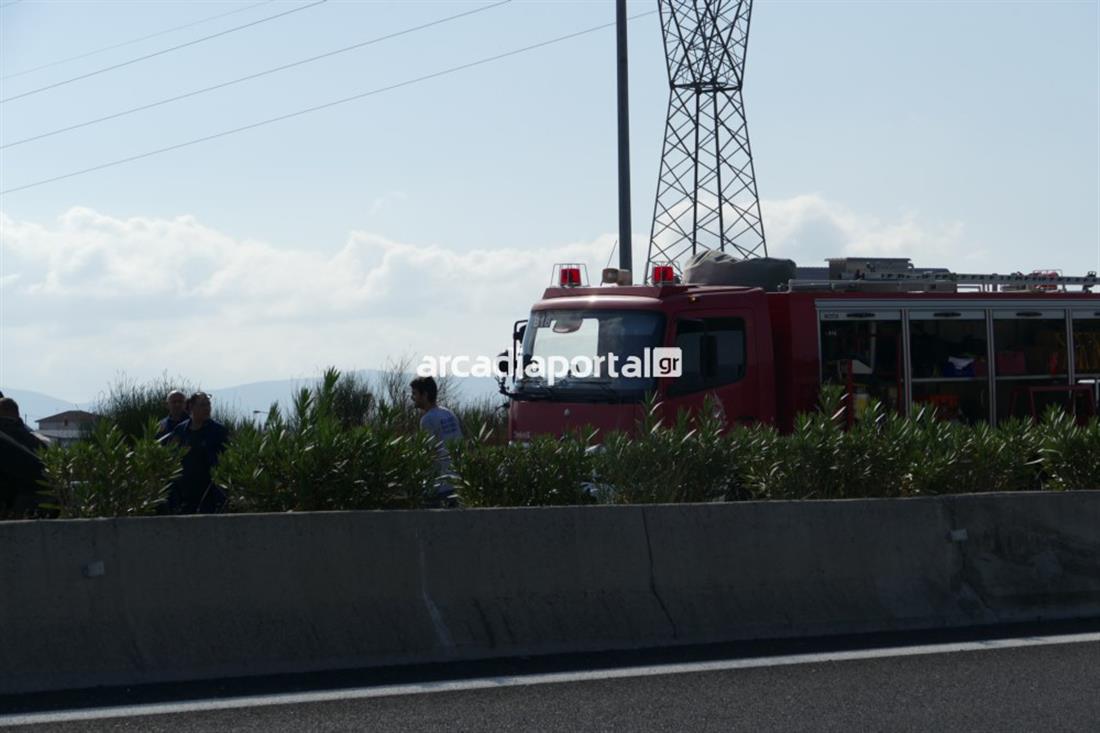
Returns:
(177,413)
(13,426)
(194,492)
(442,424)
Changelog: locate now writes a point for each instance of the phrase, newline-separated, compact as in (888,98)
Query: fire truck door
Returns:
(718,359)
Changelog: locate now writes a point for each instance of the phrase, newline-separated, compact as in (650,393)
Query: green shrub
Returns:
(547,471)
(876,453)
(130,405)
(1070,454)
(313,460)
(107,475)
(487,418)
(806,464)
(688,461)
(1005,458)
(345,445)
(353,400)
(951,458)
(883,454)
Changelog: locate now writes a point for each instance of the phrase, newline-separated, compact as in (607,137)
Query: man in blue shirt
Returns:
(442,424)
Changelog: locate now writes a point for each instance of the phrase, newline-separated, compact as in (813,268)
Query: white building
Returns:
(67,427)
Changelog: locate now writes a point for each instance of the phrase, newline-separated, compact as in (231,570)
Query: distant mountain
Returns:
(256,397)
(243,399)
(34,406)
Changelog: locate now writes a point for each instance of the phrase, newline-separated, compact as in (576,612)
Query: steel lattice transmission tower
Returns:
(706,192)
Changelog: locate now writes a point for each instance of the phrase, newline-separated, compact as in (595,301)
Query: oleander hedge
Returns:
(313,458)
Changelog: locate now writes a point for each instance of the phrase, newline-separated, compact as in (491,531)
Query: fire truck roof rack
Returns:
(897,274)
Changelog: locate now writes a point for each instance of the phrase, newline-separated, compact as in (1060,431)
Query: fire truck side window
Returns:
(862,352)
(713,352)
(949,351)
(1086,348)
(1030,345)
(1086,344)
(1032,361)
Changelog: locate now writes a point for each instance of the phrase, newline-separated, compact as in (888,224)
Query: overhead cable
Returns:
(319,107)
(86,54)
(146,57)
(250,77)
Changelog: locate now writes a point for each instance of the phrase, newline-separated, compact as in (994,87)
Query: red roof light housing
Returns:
(663,274)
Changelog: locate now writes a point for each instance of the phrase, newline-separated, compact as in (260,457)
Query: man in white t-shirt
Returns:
(441,423)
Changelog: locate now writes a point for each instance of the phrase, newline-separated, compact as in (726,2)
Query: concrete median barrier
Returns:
(88,603)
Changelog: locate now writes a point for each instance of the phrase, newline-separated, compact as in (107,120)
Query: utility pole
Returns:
(625,254)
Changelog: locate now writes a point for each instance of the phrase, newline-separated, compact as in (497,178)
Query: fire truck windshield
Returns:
(589,347)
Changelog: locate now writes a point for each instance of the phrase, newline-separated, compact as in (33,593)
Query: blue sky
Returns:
(424,220)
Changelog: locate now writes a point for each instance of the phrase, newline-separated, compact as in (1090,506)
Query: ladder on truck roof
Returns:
(897,274)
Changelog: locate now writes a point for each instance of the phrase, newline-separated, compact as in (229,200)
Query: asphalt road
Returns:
(1020,684)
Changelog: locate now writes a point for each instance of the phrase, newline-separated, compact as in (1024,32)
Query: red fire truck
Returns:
(977,348)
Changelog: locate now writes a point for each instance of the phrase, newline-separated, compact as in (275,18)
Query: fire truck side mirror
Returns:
(519,332)
(504,365)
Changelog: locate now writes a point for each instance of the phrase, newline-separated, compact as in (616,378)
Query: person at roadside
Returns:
(13,426)
(204,439)
(443,426)
(176,402)
(20,463)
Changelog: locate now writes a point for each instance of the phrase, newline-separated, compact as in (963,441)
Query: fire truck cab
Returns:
(977,348)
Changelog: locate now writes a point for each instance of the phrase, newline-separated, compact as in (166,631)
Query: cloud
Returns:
(90,295)
(810,229)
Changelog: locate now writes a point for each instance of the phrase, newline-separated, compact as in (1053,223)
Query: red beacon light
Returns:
(570,275)
(663,275)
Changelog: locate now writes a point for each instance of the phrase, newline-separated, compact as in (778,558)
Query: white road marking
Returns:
(483,683)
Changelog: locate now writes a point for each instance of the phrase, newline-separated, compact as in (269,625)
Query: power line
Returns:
(163,51)
(257,75)
(133,40)
(326,105)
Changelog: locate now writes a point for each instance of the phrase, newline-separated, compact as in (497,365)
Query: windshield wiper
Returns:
(535,392)
(604,386)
